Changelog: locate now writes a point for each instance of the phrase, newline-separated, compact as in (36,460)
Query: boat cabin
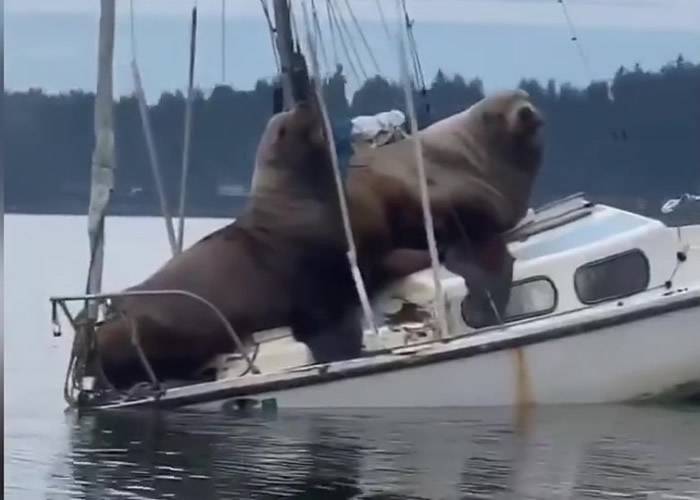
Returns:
(571,255)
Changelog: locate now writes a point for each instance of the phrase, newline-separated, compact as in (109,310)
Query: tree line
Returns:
(633,143)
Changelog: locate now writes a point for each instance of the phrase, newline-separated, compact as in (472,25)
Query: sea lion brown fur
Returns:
(480,166)
(281,263)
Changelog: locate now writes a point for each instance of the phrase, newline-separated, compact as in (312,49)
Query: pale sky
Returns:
(52,44)
(677,15)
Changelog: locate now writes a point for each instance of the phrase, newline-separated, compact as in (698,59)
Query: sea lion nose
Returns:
(529,117)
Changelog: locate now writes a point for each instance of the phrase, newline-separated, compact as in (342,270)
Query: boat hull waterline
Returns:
(642,353)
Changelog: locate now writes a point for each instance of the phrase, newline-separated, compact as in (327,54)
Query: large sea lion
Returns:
(480,166)
(281,263)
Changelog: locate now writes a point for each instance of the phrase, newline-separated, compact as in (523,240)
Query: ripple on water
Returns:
(566,454)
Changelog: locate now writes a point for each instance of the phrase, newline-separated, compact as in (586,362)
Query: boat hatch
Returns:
(606,223)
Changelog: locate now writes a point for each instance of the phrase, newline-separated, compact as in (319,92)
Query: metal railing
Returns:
(103,297)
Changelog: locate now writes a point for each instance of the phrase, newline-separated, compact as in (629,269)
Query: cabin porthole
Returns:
(613,277)
(529,297)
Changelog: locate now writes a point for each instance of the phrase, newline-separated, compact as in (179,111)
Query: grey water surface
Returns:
(596,452)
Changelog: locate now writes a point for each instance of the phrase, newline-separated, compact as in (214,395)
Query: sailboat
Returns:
(603,309)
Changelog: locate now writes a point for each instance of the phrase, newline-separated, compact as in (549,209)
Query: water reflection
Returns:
(581,453)
(205,457)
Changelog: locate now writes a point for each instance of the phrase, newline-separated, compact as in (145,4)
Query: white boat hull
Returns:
(622,363)
(629,344)
(642,354)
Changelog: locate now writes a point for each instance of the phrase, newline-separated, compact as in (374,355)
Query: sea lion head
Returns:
(486,158)
(511,125)
(292,151)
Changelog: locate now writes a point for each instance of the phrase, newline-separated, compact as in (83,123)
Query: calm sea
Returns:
(600,452)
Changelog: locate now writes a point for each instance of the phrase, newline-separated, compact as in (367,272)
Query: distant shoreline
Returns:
(684,216)
(224,213)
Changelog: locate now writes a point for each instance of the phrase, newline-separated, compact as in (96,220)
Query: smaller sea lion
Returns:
(281,263)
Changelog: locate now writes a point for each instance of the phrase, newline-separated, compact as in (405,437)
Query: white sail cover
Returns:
(378,129)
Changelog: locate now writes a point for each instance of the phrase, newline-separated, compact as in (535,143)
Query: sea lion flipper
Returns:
(487,269)
(331,340)
(402,262)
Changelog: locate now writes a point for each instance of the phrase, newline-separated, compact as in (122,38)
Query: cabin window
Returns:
(529,297)
(612,277)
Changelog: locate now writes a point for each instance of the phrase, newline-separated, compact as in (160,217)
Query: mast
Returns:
(103,163)
(2,166)
(188,131)
(294,72)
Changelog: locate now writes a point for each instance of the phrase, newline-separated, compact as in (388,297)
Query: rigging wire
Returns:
(362,37)
(574,38)
(440,311)
(272,31)
(346,40)
(188,129)
(293,21)
(334,20)
(319,35)
(413,47)
(352,252)
(131,26)
(417,66)
(585,60)
(344,29)
(385,25)
(581,52)
(331,28)
(150,143)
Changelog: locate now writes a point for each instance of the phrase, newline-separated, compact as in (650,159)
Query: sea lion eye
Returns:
(491,118)
(281,132)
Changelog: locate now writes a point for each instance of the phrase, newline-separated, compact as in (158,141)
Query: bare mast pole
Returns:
(293,69)
(188,131)
(2,166)
(83,363)
(103,162)
(284,47)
